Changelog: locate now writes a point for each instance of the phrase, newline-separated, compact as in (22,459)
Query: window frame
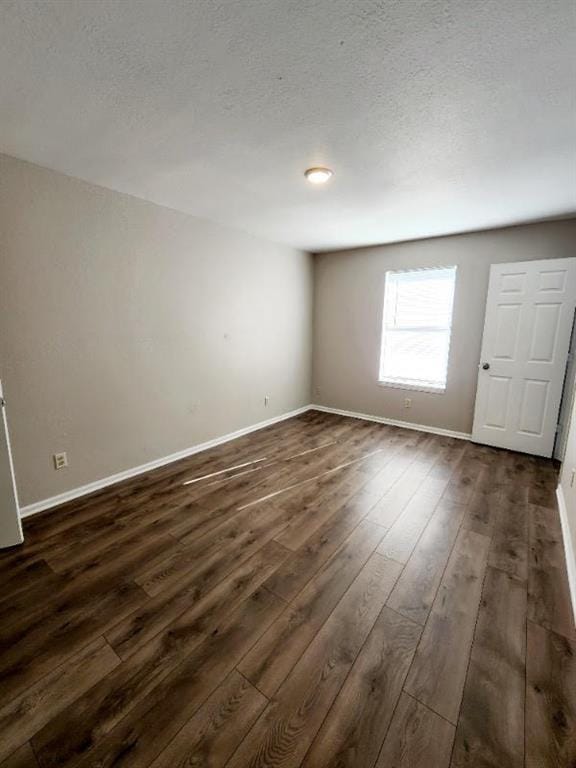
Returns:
(406,384)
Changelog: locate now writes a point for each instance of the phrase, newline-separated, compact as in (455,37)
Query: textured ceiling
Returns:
(437,116)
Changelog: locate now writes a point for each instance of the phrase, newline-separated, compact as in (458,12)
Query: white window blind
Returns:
(416,327)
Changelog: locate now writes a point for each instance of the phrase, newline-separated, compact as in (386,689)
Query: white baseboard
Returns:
(568,548)
(394,423)
(97,485)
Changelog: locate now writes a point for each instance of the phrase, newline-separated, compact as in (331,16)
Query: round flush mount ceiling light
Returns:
(318,175)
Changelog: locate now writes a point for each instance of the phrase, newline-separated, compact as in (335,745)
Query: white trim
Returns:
(97,485)
(394,422)
(413,387)
(568,548)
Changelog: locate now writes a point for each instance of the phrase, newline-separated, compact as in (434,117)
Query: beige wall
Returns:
(349,288)
(129,331)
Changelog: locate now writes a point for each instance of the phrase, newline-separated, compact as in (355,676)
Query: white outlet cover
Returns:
(60,460)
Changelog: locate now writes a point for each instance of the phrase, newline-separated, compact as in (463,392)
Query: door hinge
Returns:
(558,428)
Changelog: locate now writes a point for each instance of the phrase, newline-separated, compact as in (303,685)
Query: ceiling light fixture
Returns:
(318,175)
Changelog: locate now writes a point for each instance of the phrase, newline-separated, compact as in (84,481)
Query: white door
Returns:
(529,314)
(10,527)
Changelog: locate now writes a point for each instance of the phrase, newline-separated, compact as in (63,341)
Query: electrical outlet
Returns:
(60,460)
(407,402)
(266,400)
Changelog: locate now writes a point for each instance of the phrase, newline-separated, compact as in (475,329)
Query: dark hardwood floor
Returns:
(327,592)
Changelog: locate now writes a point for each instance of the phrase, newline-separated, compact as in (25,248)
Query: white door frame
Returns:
(567,402)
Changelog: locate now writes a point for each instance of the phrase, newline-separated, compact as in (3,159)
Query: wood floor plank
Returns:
(26,714)
(388,491)
(203,597)
(543,495)
(318,505)
(381,483)
(323,499)
(288,725)
(550,699)
(292,480)
(393,503)
(303,564)
(22,758)
(210,737)
(245,533)
(123,533)
(150,726)
(437,675)
(74,537)
(354,729)
(245,487)
(18,558)
(490,731)
(144,549)
(18,608)
(279,495)
(484,507)
(429,474)
(78,588)
(403,536)
(64,740)
(195,519)
(55,637)
(417,738)
(469,473)
(450,454)
(276,653)
(515,468)
(145,545)
(25,578)
(416,588)
(70,522)
(549,601)
(77,534)
(509,547)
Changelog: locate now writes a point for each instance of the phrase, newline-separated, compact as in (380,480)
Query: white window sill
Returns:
(413,387)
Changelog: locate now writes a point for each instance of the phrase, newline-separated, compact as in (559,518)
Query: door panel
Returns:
(529,314)
(533,407)
(545,332)
(507,331)
(497,405)
(512,282)
(552,280)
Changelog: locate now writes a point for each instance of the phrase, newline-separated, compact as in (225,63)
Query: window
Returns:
(416,327)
